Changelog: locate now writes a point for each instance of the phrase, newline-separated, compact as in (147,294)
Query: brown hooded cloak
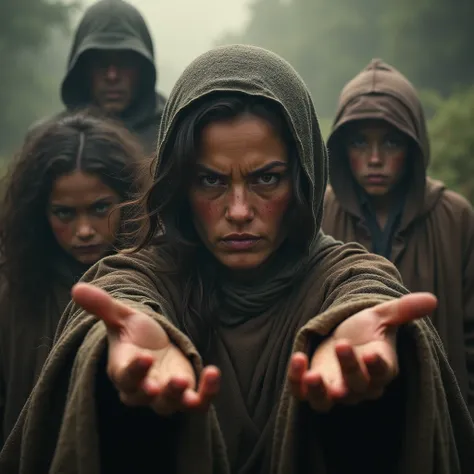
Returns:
(75,423)
(433,246)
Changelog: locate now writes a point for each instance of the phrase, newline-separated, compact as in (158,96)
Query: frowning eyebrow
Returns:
(263,169)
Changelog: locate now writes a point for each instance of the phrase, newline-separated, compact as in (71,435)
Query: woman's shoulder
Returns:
(334,260)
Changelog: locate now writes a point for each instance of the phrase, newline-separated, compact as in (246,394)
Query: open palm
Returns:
(144,365)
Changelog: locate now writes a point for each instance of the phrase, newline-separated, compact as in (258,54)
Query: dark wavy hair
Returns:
(79,141)
(169,223)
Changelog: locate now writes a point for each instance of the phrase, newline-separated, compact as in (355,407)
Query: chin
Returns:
(377,191)
(88,259)
(242,261)
(113,109)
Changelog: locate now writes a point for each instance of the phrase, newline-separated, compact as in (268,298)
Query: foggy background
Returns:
(183,29)
(327,41)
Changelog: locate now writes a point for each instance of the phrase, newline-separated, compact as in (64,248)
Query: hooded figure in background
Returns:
(242,339)
(381,197)
(111,66)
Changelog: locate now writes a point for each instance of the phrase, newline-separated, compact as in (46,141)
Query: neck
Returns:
(382,205)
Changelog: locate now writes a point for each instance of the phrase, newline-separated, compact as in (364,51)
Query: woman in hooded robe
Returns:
(56,221)
(237,337)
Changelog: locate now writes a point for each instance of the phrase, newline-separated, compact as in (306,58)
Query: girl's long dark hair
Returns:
(169,221)
(80,141)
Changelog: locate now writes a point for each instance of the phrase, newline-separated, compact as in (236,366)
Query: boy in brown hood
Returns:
(381,197)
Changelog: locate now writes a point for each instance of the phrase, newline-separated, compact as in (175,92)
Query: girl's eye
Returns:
(102,208)
(393,143)
(268,179)
(63,214)
(210,180)
(358,143)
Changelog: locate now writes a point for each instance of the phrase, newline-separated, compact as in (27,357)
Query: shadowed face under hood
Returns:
(112,25)
(256,72)
(380,92)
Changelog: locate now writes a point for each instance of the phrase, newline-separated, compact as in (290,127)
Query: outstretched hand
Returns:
(144,365)
(359,360)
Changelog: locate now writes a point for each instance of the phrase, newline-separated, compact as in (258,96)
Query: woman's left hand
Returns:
(359,360)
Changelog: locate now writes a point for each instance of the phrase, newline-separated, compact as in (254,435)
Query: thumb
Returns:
(406,309)
(99,303)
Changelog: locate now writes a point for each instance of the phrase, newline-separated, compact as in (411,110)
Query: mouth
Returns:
(376,179)
(88,249)
(240,242)
(114,95)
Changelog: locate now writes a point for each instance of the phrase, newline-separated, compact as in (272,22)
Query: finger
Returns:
(99,303)
(406,309)
(137,399)
(379,371)
(353,370)
(209,386)
(317,394)
(129,377)
(169,399)
(297,368)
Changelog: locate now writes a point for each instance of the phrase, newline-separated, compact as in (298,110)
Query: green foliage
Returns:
(32,36)
(329,41)
(452,143)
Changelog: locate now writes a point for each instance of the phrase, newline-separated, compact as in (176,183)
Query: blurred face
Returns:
(377,155)
(81,218)
(114,78)
(241,191)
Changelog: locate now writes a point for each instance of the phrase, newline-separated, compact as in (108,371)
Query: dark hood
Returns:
(379,91)
(256,72)
(113,25)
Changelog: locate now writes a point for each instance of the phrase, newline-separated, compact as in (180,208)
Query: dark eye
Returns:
(268,179)
(101,208)
(358,142)
(210,180)
(394,142)
(63,214)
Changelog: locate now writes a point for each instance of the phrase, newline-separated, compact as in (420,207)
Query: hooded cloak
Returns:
(74,422)
(111,25)
(433,244)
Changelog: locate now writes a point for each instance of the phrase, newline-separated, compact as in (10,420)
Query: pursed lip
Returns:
(88,248)
(376,178)
(113,94)
(241,241)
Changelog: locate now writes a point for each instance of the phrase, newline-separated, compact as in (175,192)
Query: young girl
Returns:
(56,219)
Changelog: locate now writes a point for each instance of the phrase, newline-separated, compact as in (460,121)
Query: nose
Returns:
(239,209)
(111,73)
(84,230)
(375,155)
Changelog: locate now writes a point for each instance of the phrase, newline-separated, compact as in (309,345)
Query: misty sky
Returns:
(183,29)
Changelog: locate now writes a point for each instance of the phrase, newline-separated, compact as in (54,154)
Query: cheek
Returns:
(130,79)
(273,209)
(108,227)
(356,163)
(64,232)
(396,164)
(207,212)
(96,80)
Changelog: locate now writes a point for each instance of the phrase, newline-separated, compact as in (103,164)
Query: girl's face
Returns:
(80,214)
(377,156)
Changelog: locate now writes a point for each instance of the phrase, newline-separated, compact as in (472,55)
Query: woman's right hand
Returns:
(144,365)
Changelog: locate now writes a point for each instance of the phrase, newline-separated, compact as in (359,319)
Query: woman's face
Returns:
(377,155)
(241,191)
(81,218)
